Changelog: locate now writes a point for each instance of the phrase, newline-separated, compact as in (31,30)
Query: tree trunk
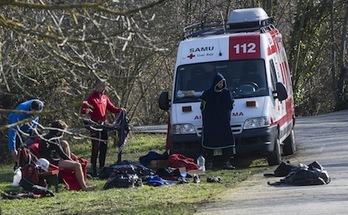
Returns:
(341,85)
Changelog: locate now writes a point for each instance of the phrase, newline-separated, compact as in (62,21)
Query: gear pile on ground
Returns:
(301,175)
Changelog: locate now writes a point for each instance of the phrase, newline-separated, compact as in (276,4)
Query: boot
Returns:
(94,170)
(228,165)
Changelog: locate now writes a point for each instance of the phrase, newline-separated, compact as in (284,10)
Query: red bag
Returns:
(31,177)
(179,160)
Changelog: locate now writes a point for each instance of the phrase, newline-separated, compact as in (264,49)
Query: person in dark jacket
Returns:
(52,148)
(96,106)
(216,107)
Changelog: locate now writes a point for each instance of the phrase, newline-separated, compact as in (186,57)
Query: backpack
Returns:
(31,177)
(122,180)
(313,174)
(126,166)
(285,168)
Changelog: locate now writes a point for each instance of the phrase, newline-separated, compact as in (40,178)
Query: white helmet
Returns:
(43,163)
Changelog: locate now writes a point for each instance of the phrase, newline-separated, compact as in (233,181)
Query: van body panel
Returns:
(202,50)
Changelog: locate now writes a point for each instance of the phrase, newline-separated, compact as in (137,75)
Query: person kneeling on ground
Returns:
(57,152)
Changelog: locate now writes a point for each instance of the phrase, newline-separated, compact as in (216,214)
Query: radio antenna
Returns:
(223,21)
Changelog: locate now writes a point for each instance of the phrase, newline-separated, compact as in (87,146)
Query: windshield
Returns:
(244,78)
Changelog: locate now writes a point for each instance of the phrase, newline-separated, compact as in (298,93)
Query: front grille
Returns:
(199,130)
(236,129)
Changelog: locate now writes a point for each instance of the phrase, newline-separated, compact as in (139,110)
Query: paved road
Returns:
(320,138)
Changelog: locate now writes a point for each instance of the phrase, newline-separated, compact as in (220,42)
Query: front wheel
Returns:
(274,158)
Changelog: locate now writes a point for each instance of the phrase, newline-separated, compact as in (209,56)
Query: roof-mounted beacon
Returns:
(248,19)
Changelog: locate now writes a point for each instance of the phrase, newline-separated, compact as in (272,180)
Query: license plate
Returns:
(217,152)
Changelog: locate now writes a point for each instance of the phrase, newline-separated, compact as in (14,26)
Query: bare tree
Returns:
(53,50)
(341,99)
(60,48)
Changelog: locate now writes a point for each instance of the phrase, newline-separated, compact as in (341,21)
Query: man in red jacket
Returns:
(96,106)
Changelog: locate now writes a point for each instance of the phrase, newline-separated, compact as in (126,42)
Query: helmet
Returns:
(43,163)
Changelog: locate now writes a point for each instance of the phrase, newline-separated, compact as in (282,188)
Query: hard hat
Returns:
(43,163)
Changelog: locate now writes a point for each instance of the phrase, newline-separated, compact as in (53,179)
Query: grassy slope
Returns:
(171,199)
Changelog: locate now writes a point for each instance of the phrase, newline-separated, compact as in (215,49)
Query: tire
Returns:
(192,150)
(289,147)
(274,158)
(174,149)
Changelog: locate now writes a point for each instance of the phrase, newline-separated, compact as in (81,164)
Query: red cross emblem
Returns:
(191,56)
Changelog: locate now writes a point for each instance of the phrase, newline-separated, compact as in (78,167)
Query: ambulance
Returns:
(248,51)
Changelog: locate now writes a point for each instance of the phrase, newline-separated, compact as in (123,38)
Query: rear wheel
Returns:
(274,158)
(289,146)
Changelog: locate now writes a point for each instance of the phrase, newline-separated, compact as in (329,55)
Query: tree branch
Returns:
(64,6)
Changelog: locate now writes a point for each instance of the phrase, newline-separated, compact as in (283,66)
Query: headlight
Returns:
(183,129)
(258,122)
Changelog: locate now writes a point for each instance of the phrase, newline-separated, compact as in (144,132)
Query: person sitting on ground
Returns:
(57,152)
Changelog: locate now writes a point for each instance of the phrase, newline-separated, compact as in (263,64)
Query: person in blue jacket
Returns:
(17,127)
(216,107)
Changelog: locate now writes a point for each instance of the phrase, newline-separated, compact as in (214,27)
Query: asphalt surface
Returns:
(321,138)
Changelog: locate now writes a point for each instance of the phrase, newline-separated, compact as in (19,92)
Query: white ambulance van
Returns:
(248,51)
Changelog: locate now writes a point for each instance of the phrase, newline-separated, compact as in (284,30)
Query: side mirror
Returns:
(282,94)
(163,101)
